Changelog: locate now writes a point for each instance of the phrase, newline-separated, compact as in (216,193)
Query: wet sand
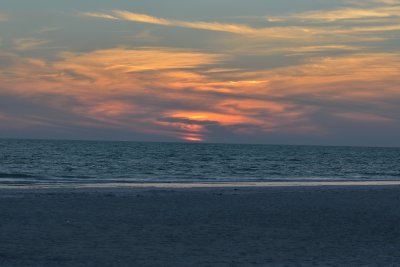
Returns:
(226,226)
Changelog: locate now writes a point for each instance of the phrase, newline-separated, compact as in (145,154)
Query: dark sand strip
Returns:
(270,226)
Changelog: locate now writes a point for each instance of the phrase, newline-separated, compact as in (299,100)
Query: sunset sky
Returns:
(274,72)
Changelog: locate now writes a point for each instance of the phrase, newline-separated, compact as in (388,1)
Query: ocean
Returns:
(47,162)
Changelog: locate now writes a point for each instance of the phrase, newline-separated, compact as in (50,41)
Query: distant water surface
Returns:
(74,162)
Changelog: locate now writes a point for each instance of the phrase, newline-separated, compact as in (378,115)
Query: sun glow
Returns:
(166,76)
(193,138)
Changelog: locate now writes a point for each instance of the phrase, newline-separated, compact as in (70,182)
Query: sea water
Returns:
(45,162)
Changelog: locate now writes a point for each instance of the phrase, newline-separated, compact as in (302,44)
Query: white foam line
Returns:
(211,185)
(248,184)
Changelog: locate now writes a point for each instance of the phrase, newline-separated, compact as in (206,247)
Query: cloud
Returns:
(136,60)
(312,28)
(385,2)
(191,95)
(241,29)
(346,14)
(372,29)
(201,25)
(25,44)
(99,15)
(293,74)
(135,69)
(91,79)
(343,23)
(133,89)
(319,48)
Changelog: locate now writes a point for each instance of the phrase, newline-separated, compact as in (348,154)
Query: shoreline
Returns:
(200,185)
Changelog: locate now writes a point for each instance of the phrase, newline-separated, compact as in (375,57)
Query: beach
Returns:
(316,225)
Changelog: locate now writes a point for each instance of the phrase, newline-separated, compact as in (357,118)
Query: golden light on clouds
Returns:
(110,86)
(223,119)
(122,60)
(241,29)
(201,25)
(347,14)
(200,77)
(192,138)
(328,33)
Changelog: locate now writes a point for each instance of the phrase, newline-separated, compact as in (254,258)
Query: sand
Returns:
(226,226)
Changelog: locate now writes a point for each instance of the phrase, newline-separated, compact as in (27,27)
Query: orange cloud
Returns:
(223,119)
(320,48)
(348,13)
(306,34)
(183,94)
(201,25)
(242,29)
(192,138)
(126,60)
(357,67)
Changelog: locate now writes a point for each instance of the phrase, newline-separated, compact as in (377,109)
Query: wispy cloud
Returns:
(121,60)
(202,25)
(324,32)
(320,48)
(383,28)
(344,14)
(290,32)
(366,2)
(24,44)
(99,15)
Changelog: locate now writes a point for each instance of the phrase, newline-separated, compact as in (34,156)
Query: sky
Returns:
(274,72)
